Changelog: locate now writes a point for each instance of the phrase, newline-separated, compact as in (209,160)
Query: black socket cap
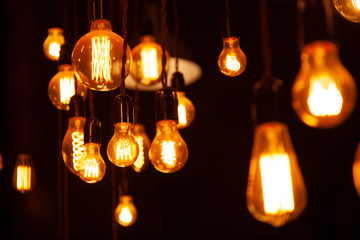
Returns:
(166,104)
(76,106)
(178,82)
(92,131)
(124,109)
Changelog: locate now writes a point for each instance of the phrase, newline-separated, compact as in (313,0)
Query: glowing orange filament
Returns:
(101,61)
(78,148)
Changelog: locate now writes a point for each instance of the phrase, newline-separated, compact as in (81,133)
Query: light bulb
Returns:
(356,170)
(349,9)
(97,57)
(143,141)
(24,174)
(62,87)
(324,93)
(168,151)
(232,60)
(91,167)
(186,110)
(53,42)
(1,162)
(147,61)
(125,212)
(276,192)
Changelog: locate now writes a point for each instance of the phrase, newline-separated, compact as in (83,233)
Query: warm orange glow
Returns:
(232,60)
(186,110)
(78,148)
(324,93)
(149,64)
(24,174)
(52,44)
(276,191)
(67,89)
(101,61)
(356,4)
(349,9)
(91,167)
(54,50)
(125,212)
(144,144)
(168,154)
(23,181)
(356,170)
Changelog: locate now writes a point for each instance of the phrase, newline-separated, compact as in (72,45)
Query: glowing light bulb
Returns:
(349,9)
(232,60)
(356,170)
(52,44)
(91,167)
(62,87)
(276,192)
(324,93)
(125,212)
(97,57)
(147,57)
(24,174)
(143,141)
(186,110)
(168,151)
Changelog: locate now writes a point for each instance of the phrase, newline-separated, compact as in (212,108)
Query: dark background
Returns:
(206,199)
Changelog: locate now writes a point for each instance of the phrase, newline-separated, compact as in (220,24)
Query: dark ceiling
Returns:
(206,199)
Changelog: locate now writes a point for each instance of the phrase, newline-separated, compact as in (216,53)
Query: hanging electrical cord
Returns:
(125,36)
(265,36)
(164,31)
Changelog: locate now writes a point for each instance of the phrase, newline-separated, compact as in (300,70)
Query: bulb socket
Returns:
(178,82)
(76,106)
(124,109)
(166,105)
(92,131)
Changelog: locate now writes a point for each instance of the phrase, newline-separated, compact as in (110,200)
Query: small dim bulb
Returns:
(62,87)
(91,167)
(73,143)
(232,60)
(1,162)
(143,141)
(324,93)
(53,42)
(125,212)
(24,174)
(356,170)
(186,110)
(123,149)
(276,192)
(147,61)
(168,151)
(349,9)
(97,57)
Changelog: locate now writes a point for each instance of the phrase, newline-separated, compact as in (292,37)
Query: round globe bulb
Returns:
(349,9)
(53,42)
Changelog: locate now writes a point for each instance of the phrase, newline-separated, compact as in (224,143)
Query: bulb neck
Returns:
(65,67)
(55,31)
(166,127)
(147,39)
(77,108)
(100,24)
(231,42)
(92,148)
(320,54)
(123,128)
(124,109)
(125,199)
(166,105)
(77,122)
(139,129)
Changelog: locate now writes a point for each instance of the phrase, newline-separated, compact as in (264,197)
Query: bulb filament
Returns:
(125,215)
(91,169)
(324,101)
(182,114)
(23,180)
(54,49)
(149,64)
(78,148)
(168,154)
(123,150)
(101,61)
(231,62)
(356,3)
(276,183)
(67,89)
(141,158)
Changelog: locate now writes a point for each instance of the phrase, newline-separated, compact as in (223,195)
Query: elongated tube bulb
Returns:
(168,151)
(53,42)
(125,212)
(24,174)
(276,192)
(143,141)
(232,60)
(324,93)
(349,9)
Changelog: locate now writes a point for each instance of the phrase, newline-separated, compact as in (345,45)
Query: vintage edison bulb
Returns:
(324,93)
(97,57)
(147,56)
(143,141)
(125,212)
(186,110)
(232,60)
(356,170)
(276,192)
(73,143)
(349,9)
(123,149)
(53,42)
(91,168)
(168,151)
(24,174)
(62,87)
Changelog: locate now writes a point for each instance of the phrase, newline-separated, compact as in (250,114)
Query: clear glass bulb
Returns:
(143,141)
(324,93)
(232,60)
(349,9)
(53,42)
(147,58)
(356,170)
(186,110)
(168,151)
(24,174)
(91,167)
(276,192)
(125,212)
(123,149)
(62,87)
(97,57)
(73,143)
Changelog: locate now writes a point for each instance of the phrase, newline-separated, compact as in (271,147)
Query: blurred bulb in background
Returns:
(232,60)
(143,141)
(125,212)
(324,93)
(356,170)
(62,87)
(1,162)
(186,110)
(97,57)
(24,174)
(349,9)
(53,43)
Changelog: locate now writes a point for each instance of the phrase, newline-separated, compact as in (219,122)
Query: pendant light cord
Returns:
(176,28)
(301,4)
(101,9)
(227,15)
(164,30)
(91,103)
(125,43)
(265,36)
